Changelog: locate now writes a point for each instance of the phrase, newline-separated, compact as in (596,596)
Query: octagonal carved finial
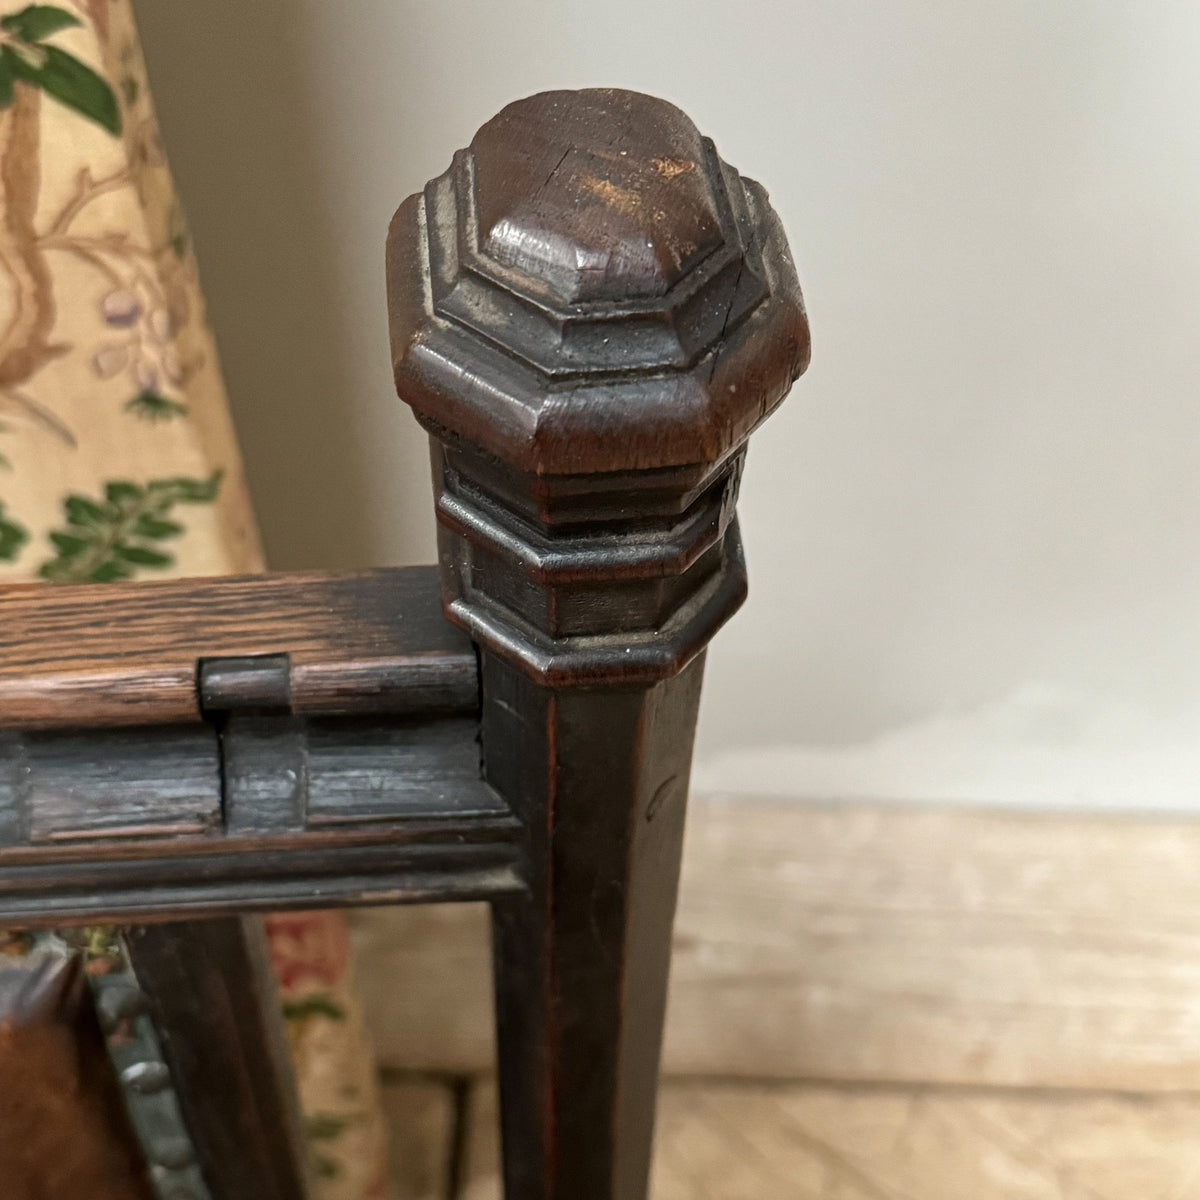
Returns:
(590,267)
(590,312)
(580,217)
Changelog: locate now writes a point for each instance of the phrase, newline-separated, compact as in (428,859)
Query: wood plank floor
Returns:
(1003,1005)
(773,1141)
(874,943)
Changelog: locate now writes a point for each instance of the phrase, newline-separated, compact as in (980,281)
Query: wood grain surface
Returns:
(861,942)
(129,654)
(812,1142)
(272,811)
(215,1009)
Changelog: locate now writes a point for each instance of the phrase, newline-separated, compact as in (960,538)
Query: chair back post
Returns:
(590,313)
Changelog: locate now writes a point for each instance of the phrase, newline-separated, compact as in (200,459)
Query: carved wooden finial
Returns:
(590,312)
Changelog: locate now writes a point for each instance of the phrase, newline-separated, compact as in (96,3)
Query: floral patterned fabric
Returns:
(117,455)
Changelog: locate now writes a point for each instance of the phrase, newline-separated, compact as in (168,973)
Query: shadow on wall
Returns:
(235,107)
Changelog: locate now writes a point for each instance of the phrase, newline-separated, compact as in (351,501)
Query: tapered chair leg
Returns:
(210,993)
(581,964)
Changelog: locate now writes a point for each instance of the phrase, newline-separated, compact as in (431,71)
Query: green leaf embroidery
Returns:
(114,538)
(317,1005)
(325,1127)
(326,1167)
(6,82)
(38,21)
(142,556)
(181,489)
(157,528)
(68,80)
(151,406)
(82,511)
(68,545)
(119,491)
(12,537)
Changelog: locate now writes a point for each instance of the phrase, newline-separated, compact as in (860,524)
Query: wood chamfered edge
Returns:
(194,876)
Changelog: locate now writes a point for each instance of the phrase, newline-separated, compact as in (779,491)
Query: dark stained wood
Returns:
(591,601)
(270,811)
(590,312)
(63,1128)
(144,783)
(589,289)
(128,654)
(272,875)
(261,774)
(581,962)
(215,1009)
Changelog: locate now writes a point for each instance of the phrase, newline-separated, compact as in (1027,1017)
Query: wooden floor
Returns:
(868,943)
(1002,1005)
(747,1141)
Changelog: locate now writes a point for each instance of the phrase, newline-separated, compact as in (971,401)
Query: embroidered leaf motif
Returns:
(317,1005)
(114,538)
(68,80)
(153,407)
(324,1127)
(38,21)
(27,56)
(12,537)
(326,1167)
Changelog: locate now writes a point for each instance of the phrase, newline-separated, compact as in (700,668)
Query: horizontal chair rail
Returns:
(189,748)
(186,887)
(100,655)
(269,812)
(258,776)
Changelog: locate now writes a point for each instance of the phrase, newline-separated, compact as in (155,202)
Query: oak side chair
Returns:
(590,312)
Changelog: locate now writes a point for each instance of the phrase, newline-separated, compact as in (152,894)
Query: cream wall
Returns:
(974,532)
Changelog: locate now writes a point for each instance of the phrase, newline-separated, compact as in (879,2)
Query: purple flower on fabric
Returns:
(110,360)
(120,308)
